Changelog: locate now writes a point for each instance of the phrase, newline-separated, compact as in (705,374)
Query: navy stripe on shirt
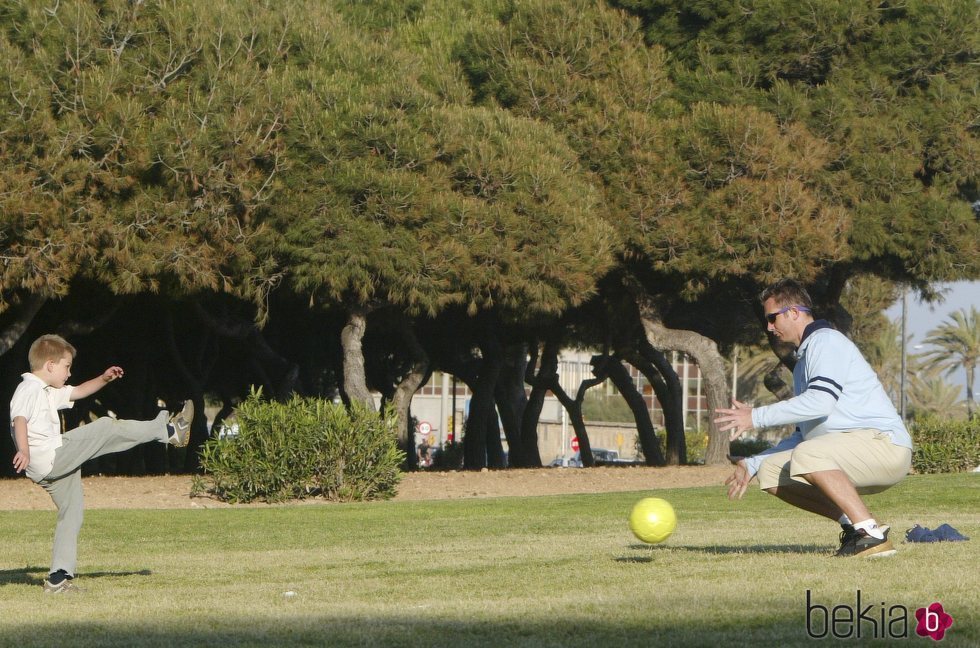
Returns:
(825,389)
(826,380)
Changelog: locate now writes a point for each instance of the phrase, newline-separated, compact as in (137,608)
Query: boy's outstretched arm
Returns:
(23,455)
(89,387)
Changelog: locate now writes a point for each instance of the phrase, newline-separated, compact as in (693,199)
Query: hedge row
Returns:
(943,446)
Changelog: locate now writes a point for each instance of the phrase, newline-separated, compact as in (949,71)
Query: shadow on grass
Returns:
(35,575)
(413,631)
(724,549)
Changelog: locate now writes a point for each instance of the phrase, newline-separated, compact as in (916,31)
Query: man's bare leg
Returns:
(808,498)
(839,490)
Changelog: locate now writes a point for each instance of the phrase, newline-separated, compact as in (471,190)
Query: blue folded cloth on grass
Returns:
(948,533)
(942,533)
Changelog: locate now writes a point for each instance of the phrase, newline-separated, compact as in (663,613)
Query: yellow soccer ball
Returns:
(652,520)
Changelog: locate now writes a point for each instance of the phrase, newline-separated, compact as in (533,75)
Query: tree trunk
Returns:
(238,329)
(227,407)
(194,384)
(574,409)
(406,430)
(644,426)
(667,386)
(199,435)
(482,408)
(540,384)
(511,400)
(495,449)
(25,315)
(355,378)
(705,354)
(831,305)
(401,400)
(674,410)
(776,385)
(970,412)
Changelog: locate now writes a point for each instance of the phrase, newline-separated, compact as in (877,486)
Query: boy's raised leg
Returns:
(102,437)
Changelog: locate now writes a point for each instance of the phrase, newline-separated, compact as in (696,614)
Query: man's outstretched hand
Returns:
(739,480)
(736,421)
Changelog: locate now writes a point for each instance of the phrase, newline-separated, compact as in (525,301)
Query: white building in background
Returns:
(441,416)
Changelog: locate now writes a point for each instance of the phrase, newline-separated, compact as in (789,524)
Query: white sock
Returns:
(845,520)
(871,528)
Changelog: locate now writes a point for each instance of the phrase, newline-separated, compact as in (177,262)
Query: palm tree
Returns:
(930,394)
(884,354)
(957,345)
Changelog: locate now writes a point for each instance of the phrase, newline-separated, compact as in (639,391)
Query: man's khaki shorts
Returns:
(868,457)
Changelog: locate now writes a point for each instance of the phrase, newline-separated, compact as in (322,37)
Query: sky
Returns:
(924,317)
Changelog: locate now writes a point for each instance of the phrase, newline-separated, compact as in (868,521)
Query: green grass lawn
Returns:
(531,571)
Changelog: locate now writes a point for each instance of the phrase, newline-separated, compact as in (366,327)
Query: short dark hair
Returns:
(787,292)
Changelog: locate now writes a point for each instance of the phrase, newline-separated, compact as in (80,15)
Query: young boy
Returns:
(54,460)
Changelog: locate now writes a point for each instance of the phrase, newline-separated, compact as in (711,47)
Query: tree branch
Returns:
(29,308)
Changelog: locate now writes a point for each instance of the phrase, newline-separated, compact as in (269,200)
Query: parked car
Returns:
(602,456)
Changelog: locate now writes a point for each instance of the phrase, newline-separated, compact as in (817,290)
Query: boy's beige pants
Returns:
(64,482)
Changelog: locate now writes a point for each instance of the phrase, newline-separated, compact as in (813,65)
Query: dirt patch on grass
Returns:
(173,492)
(556,481)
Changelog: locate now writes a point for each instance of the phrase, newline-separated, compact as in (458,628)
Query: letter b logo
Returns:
(933,621)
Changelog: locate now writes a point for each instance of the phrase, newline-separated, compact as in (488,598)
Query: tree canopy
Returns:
(471,181)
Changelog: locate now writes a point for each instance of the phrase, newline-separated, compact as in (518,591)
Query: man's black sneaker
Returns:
(865,545)
(847,536)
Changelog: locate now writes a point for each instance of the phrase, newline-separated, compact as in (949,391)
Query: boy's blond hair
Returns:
(48,347)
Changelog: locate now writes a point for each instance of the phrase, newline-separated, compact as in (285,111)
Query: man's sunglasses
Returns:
(771,317)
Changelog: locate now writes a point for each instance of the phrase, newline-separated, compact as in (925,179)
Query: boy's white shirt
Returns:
(39,403)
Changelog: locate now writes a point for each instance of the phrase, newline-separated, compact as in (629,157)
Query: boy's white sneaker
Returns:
(64,587)
(179,425)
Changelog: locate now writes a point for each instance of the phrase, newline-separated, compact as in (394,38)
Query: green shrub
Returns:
(696,444)
(944,446)
(303,448)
